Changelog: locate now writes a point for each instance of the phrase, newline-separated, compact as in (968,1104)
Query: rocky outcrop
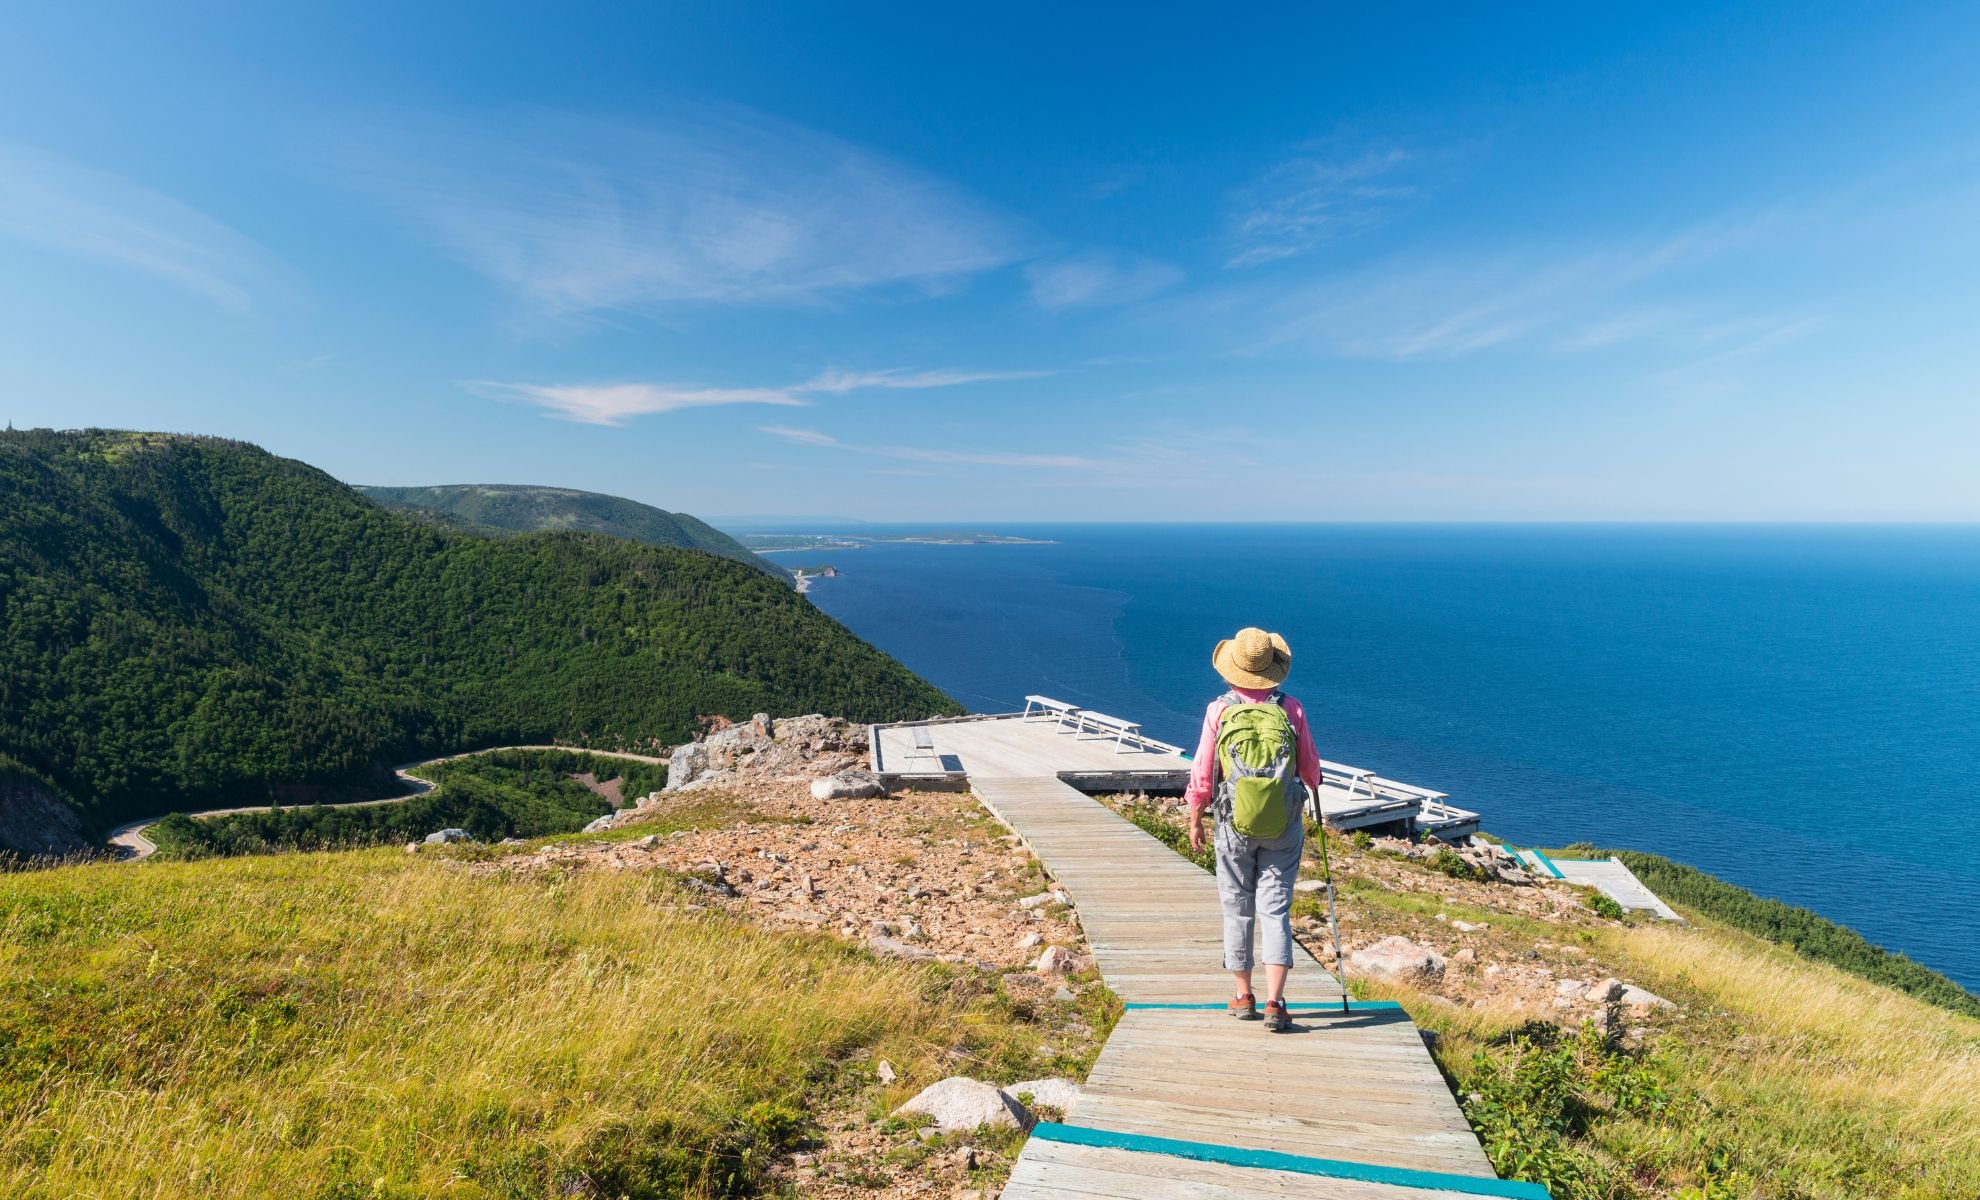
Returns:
(786,748)
(34,822)
(959,1104)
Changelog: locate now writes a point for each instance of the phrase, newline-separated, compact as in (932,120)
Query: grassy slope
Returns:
(516,508)
(1783,1078)
(369,1024)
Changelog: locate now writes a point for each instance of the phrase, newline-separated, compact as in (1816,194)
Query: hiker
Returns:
(1255,766)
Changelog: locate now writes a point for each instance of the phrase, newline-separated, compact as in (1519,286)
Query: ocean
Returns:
(1794,709)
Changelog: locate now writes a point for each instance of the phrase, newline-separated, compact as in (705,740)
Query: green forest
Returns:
(501,794)
(499,509)
(191,622)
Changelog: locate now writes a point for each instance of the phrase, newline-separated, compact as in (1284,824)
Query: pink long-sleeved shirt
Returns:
(1203,769)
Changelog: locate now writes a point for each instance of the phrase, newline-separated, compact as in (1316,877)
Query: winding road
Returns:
(133,846)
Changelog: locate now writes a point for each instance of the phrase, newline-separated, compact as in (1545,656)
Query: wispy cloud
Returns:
(1098,278)
(616,403)
(1557,296)
(1312,198)
(838,382)
(812,437)
(579,215)
(61,206)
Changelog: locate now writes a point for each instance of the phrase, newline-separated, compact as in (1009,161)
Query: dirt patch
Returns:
(607,791)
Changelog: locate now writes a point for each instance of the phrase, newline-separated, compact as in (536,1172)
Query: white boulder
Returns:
(854,784)
(1637,997)
(442,836)
(1056,960)
(959,1104)
(1398,960)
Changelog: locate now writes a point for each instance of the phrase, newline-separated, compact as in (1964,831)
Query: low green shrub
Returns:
(1449,862)
(1605,906)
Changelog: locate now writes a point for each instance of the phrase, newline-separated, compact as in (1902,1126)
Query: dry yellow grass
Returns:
(1788,1078)
(368,1024)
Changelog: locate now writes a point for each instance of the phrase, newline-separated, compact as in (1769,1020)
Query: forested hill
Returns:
(501,508)
(187,621)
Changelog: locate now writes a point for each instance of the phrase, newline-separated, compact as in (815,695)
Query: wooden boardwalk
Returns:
(1610,876)
(1186,1102)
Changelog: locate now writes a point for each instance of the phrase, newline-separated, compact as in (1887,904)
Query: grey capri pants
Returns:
(1255,878)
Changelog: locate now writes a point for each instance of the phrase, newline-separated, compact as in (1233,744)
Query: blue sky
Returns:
(1583,262)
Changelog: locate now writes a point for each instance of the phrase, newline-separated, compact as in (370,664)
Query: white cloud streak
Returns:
(1097,279)
(812,437)
(838,382)
(1563,298)
(722,205)
(1312,199)
(616,403)
(63,207)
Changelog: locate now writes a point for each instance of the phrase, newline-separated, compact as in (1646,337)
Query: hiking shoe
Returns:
(1244,1008)
(1277,1019)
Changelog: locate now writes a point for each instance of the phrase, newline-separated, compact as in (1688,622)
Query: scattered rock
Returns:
(1467,956)
(1637,997)
(1309,885)
(1030,939)
(852,784)
(602,823)
(1061,1094)
(1057,960)
(1467,927)
(959,1104)
(1399,960)
(440,837)
(1030,902)
(412,847)
(1570,987)
(1605,991)
(894,948)
(885,1071)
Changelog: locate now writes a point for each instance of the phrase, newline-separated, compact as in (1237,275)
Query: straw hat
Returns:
(1253,659)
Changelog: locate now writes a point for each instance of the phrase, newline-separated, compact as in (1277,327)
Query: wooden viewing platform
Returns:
(1089,751)
(1184,1102)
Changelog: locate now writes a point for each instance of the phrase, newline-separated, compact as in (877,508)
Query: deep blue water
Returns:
(1794,709)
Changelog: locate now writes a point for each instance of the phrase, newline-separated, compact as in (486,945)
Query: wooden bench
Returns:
(1119,729)
(1058,710)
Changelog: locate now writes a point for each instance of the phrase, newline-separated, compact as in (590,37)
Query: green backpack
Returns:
(1256,749)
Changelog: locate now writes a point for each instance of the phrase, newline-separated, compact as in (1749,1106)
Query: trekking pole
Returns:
(1333,917)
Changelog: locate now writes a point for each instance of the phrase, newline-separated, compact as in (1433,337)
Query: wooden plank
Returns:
(1051,1169)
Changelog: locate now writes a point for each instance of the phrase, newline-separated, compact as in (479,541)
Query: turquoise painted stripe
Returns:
(1547,863)
(1273,1160)
(1318,1005)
